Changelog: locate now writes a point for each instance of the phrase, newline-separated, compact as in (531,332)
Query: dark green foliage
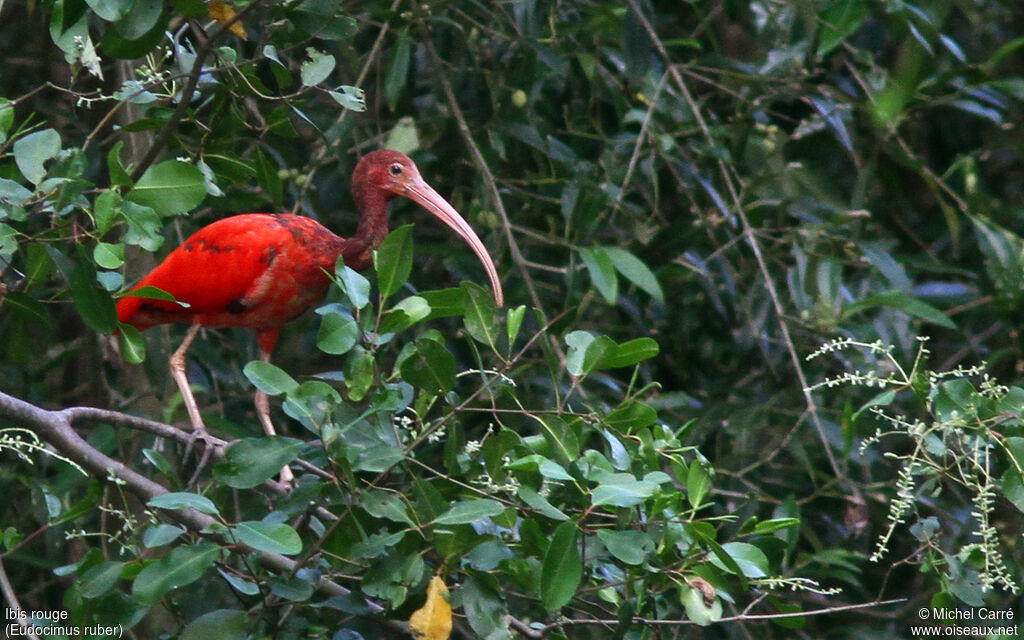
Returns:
(686,200)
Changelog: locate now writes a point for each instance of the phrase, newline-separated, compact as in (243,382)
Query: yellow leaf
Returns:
(223,13)
(434,620)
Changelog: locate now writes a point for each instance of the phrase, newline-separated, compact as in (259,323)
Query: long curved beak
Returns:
(417,190)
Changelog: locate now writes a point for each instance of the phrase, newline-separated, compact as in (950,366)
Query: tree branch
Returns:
(55,427)
(187,92)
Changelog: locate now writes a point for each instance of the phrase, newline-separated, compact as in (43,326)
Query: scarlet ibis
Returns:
(260,270)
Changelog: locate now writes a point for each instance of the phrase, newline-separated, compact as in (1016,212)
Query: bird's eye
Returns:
(395,169)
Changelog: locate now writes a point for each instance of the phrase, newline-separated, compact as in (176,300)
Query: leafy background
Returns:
(686,200)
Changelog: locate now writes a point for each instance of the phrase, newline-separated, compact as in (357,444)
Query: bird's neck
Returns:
(373,227)
(373,217)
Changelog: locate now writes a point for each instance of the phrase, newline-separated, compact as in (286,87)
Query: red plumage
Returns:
(254,270)
(259,270)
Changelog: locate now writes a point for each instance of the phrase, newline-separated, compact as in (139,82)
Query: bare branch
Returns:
(55,427)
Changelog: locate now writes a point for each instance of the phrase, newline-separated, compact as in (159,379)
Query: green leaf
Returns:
(562,440)
(105,210)
(353,284)
(750,559)
(293,588)
(552,470)
(250,461)
(444,303)
(431,367)
(92,301)
(599,351)
(624,490)
(109,10)
(316,69)
(1013,487)
(775,524)
(602,272)
(379,458)
(222,624)
(154,293)
(903,302)
(577,341)
(636,272)
(108,255)
(159,461)
(626,354)
(513,323)
(209,179)
(403,136)
(272,537)
(184,565)
(323,19)
(631,416)
(269,379)
(487,555)
(169,188)
(27,308)
(403,315)
(561,569)
(839,21)
(697,609)
(383,504)
(184,500)
(99,580)
(484,607)
(359,370)
(393,261)
(32,151)
(470,511)
(540,504)
(12,194)
(631,547)
(6,118)
(140,20)
(698,483)
(238,584)
(119,177)
(161,534)
(481,315)
(143,226)
(352,98)
(398,69)
(338,332)
(887,265)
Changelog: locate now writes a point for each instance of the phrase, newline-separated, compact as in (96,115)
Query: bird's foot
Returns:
(209,443)
(200,435)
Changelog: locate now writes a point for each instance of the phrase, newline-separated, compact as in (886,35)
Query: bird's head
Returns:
(388,171)
(391,173)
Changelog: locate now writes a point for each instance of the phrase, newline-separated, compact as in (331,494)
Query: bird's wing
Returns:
(214,270)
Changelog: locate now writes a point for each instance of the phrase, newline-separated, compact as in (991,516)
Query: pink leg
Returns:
(263,411)
(178,373)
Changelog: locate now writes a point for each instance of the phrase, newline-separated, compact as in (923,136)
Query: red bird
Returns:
(261,270)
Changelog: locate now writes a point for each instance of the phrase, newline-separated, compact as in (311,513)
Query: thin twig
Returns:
(743,617)
(187,92)
(752,240)
(12,599)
